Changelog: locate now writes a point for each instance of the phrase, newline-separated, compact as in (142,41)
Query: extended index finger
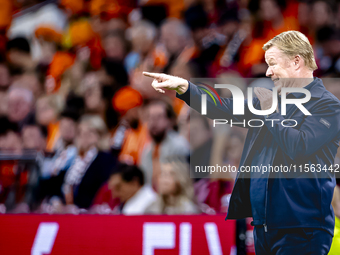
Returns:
(153,75)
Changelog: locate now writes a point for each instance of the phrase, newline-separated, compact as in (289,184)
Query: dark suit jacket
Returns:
(284,199)
(96,175)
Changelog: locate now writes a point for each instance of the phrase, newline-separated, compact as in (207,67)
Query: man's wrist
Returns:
(181,89)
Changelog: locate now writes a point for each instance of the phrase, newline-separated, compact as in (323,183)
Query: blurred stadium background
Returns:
(82,132)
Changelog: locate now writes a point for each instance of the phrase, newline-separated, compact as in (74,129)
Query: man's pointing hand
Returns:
(164,81)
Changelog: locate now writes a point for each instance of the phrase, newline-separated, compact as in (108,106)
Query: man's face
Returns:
(122,189)
(86,137)
(158,122)
(171,40)
(13,142)
(114,184)
(269,10)
(18,107)
(68,129)
(141,43)
(280,67)
(128,190)
(93,98)
(114,48)
(32,138)
(45,113)
(18,58)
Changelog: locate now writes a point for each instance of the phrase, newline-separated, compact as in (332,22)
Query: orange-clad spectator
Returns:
(144,52)
(50,39)
(81,34)
(132,135)
(165,142)
(271,22)
(135,141)
(48,109)
(178,42)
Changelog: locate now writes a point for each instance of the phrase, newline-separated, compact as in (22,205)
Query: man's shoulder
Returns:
(326,104)
(328,99)
(332,99)
(322,94)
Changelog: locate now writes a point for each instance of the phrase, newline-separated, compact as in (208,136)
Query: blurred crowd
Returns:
(83,131)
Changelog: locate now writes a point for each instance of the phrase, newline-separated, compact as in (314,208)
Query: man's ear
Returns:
(297,60)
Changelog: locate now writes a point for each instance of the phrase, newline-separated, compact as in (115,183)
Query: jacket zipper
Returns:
(265,206)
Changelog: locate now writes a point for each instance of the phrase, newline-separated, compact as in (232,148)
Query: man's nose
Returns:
(269,72)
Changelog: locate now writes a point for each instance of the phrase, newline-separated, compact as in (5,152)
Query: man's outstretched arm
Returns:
(190,93)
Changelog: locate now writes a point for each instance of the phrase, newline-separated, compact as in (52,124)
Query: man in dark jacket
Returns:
(291,210)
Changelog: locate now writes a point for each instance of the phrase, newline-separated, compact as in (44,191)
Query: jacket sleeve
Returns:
(192,97)
(318,129)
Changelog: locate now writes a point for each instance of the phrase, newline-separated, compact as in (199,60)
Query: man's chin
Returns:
(276,82)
